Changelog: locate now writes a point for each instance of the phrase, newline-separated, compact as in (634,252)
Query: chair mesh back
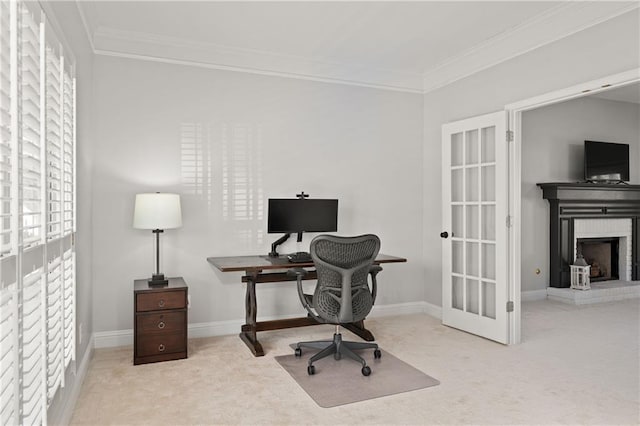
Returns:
(333,257)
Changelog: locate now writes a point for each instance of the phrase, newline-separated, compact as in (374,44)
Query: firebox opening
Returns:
(602,255)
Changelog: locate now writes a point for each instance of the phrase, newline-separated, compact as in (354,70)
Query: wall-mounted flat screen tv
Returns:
(606,161)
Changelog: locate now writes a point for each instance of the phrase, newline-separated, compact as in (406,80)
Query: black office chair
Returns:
(342,294)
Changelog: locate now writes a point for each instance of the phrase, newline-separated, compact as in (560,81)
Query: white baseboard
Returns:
(108,339)
(433,310)
(533,295)
(398,309)
(216,328)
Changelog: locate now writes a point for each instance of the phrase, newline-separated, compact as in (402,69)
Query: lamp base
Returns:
(158,280)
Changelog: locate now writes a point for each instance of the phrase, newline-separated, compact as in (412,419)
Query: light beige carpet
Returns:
(576,365)
(341,382)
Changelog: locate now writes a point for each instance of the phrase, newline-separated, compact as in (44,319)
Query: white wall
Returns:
(280,136)
(553,146)
(605,49)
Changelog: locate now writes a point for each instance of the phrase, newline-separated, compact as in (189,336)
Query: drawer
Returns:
(161,322)
(161,343)
(155,301)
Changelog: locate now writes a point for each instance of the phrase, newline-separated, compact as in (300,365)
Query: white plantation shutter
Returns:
(5,130)
(68,301)
(37,214)
(54,142)
(31,155)
(9,382)
(32,339)
(55,333)
(68,154)
(9,344)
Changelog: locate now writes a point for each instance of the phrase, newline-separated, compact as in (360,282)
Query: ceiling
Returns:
(629,93)
(409,46)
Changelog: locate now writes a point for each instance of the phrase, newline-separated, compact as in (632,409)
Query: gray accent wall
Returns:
(552,151)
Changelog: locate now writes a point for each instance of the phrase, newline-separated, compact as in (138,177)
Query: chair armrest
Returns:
(299,274)
(375,269)
(374,284)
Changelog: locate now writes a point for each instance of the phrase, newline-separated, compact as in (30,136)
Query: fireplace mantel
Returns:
(581,192)
(570,201)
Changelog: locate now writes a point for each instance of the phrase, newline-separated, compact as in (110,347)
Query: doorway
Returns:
(523,195)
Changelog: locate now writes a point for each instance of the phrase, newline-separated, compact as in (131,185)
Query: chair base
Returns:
(338,348)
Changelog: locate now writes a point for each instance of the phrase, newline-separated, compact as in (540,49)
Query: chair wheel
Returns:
(298,352)
(366,370)
(337,356)
(377,354)
(311,370)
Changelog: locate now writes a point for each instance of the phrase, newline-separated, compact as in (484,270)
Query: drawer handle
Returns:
(161,325)
(161,347)
(161,303)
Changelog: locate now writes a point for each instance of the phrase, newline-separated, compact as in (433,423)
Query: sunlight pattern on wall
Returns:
(195,160)
(241,173)
(221,166)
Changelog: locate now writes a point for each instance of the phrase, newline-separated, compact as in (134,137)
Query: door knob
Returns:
(444,234)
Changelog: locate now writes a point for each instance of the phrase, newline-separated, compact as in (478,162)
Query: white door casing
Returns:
(475,220)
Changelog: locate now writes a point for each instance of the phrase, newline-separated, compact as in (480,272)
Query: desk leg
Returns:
(358,329)
(249,329)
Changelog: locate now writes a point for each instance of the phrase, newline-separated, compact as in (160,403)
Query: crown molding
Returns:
(553,25)
(255,71)
(110,42)
(548,27)
(82,6)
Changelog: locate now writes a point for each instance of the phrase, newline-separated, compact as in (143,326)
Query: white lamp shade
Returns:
(157,211)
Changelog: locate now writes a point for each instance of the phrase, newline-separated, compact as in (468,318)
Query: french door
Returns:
(475,226)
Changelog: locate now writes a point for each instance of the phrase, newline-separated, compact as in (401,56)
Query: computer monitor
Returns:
(298,215)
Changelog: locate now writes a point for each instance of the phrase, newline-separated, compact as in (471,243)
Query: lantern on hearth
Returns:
(580,274)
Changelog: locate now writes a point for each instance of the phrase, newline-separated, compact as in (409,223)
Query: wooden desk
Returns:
(265,269)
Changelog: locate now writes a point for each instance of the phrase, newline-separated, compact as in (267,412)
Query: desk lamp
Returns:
(157,211)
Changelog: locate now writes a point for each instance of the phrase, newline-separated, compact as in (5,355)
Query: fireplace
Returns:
(605,243)
(598,211)
(602,254)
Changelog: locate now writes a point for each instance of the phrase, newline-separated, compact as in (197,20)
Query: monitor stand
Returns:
(276,243)
(285,237)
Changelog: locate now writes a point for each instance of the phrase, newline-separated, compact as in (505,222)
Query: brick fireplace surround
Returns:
(614,208)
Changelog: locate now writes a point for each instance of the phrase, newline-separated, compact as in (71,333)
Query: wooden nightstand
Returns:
(160,321)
